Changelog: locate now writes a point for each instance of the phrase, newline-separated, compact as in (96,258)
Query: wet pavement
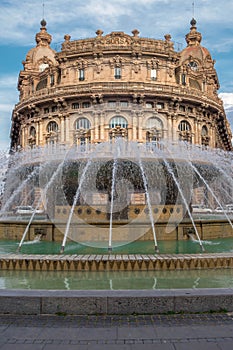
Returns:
(206,331)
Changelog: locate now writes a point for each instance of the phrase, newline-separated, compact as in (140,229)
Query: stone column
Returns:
(102,136)
(134,126)
(23,137)
(174,128)
(37,134)
(92,134)
(41,142)
(169,126)
(212,136)
(62,128)
(199,132)
(195,141)
(130,133)
(140,136)
(26,136)
(67,129)
(106,134)
(96,127)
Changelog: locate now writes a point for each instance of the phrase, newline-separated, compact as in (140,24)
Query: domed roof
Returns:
(194,50)
(199,53)
(42,50)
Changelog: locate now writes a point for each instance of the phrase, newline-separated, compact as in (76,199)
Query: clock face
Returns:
(43,66)
(193,65)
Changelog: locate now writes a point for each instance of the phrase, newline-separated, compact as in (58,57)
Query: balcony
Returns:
(48,94)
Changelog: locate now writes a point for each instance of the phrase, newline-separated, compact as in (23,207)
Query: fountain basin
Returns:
(40,302)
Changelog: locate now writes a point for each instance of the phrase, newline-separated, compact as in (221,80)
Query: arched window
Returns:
(42,84)
(204,136)
(184,126)
(118,121)
(154,123)
(185,131)
(32,131)
(82,132)
(52,126)
(82,123)
(118,127)
(52,136)
(154,128)
(32,137)
(204,131)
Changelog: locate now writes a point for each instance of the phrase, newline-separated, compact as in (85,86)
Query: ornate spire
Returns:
(43,38)
(193,38)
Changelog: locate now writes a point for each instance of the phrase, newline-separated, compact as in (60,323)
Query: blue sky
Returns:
(20,21)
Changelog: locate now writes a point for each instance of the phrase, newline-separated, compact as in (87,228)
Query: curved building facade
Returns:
(119,85)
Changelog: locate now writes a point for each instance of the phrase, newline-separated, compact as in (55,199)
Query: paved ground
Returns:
(158,332)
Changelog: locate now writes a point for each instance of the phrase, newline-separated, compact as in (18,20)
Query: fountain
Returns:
(108,196)
(116,141)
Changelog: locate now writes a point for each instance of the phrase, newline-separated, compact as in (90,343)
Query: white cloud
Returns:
(8,98)
(20,20)
(227,100)
(5,107)
(8,81)
(228,105)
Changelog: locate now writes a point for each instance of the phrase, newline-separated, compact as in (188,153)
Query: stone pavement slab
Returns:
(117,332)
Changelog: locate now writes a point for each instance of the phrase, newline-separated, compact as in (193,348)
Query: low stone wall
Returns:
(24,302)
(207,229)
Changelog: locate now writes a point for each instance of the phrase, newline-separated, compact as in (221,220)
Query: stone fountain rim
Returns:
(120,302)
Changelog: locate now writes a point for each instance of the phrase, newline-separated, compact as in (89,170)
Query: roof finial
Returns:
(43,38)
(193,6)
(193,22)
(43,9)
(43,22)
(193,37)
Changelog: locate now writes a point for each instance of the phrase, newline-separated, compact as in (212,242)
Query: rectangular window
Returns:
(182,108)
(183,79)
(75,105)
(149,104)
(59,76)
(81,74)
(112,104)
(153,74)
(160,105)
(190,109)
(54,108)
(86,105)
(46,110)
(51,80)
(124,103)
(117,73)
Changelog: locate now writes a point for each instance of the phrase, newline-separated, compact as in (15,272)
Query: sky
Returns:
(20,21)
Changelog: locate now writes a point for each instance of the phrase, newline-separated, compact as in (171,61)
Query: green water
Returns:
(137,247)
(116,280)
(92,280)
